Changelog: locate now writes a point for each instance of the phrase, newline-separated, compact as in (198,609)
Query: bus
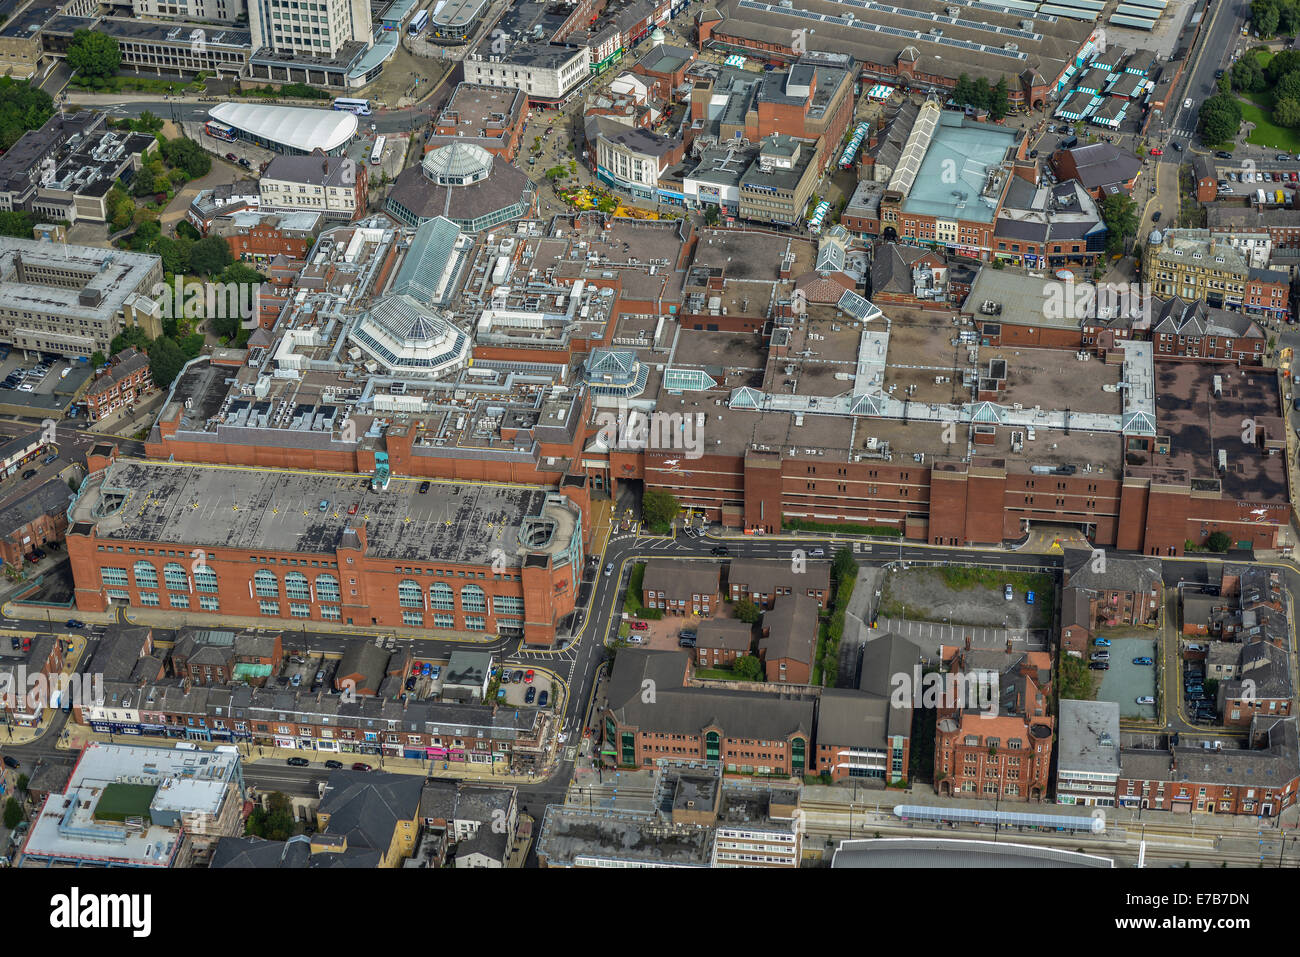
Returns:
(359,107)
(418,23)
(220,130)
(377,154)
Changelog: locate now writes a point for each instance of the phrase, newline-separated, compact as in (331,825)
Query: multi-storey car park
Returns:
(326,547)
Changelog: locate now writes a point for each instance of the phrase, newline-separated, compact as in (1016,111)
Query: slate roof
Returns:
(366,806)
(1115,573)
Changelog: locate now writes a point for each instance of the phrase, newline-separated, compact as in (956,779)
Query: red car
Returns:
(639,625)
(1157,151)
(359,766)
(353,509)
(528,676)
(415,670)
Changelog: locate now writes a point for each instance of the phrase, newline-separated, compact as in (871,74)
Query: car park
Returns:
(298,762)
(1146,699)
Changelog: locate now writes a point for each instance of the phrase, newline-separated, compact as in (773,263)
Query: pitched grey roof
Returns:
(1115,573)
(858,720)
(257,852)
(764,575)
(675,578)
(366,806)
(791,627)
(729,634)
(674,708)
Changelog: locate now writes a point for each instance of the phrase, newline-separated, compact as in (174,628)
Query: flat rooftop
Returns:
(280,510)
(970,149)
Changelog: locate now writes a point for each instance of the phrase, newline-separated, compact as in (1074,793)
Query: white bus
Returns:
(359,107)
(418,22)
(377,154)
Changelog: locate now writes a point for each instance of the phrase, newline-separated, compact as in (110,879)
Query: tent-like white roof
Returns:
(297,127)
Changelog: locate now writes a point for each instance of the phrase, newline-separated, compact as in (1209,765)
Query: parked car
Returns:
(1100,656)
(1029,598)
(426,669)
(298,762)
(635,640)
(1157,151)
(1226,190)
(410,683)
(437,670)
(15,643)
(10,761)
(1146,699)
(639,625)
(528,676)
(324,505)
(685,642)
(518,676)
(73,623)
(295,681)
(1102,642)
(1143,661)
(542,698)
(424,487)
(243,161)
(530,696)
(1222,154)
(232,157)
(1099,666)
(333,765)
(352,509)
(360,766)
(1008,593)
(30,472)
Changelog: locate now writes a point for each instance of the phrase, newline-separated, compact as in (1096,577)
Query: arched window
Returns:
(205,579)
(266,584)
(175,577)
(146,576)
(410,594)
(327,588)
(296,587)
(441,597)
(473,598)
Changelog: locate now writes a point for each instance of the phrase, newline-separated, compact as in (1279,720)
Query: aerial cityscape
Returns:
(808,434)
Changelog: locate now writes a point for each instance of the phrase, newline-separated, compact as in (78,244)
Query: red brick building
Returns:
(387,559)
(681,587)
(764,581)
(486,116)
(720,641)
(262,237)
(789,640)
(126,380)
(980,757)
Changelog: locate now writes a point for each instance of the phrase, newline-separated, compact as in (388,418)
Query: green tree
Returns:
(23,107)
(16,223)
(188,156)
(273,822)
(1247,76)
(120,207)
(13,814)
(1288,87)
(94,54)
(97,359)
(999,101)
(747,611)
(1264,16)
(1120,213)
(147,123)
(845,566)
(1218,542)
(22,782)
(1220,118)
(185,231)
(1286,112)
(748,668)
(128,337)
(175,254)
(145,237)
(238,272)
(658,508)
(145,182)
(964,91)
(165,361)
(210,255)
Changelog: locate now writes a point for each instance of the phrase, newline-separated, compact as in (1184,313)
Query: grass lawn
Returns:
(1258,109)
(717,674)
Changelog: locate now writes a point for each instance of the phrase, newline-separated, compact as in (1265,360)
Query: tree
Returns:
(658,507)
(1218,542)
(999,101)
(1288,87)
(147,123)
(145,237)
(238,272)
(845,566)
(964,91)
(94,54)
(16,223)
(1220,118)
(185,231)
(1286,112)
(13,814)
(747,611)
(23,107)
(747,668)
(1264,16)
(175,254)
(97,359)
(120,207)
(188,156)
(1247,76)
(145,182)
(22,782)
(210,255)
(165,361)
(1120,213)
(128,337)
(273,822)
